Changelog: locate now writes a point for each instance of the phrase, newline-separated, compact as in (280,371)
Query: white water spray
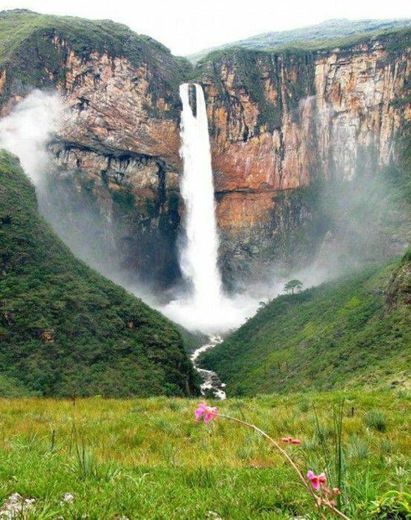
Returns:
(28,129)
(200,253)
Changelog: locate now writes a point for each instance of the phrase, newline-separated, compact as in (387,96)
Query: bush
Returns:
(376,420)
(394,505)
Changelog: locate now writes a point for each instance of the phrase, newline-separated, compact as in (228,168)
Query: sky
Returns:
(188,26)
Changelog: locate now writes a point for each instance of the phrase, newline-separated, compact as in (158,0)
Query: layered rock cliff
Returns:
(279,122)
(118,149)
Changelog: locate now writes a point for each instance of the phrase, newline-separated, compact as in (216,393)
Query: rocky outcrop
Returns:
(398,290)
(128,204)
(123,135)
(114,106)
(302,116)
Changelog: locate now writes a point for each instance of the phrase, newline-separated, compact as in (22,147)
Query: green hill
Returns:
(66,330)
(331,32)
(354,332)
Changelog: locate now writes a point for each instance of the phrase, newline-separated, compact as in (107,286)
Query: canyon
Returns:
(280,122)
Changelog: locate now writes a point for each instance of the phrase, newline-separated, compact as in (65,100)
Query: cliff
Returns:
(280,122)
(120,141)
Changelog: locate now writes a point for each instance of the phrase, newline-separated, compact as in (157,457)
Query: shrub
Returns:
(394,505)
(375,420)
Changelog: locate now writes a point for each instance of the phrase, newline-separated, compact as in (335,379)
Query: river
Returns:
(212,384)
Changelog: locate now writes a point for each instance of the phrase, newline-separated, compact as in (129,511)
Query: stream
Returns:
(212,384)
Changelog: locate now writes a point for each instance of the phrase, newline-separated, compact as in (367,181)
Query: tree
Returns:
(292,286)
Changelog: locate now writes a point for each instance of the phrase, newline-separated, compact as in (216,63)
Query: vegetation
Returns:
(293,286)
(147,458)
(34,48)
(335,33)
(66,330)
(345,333)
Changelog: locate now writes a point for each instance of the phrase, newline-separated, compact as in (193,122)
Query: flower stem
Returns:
(289,460)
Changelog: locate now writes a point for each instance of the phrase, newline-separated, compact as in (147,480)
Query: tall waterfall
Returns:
(199,255)
(205,308)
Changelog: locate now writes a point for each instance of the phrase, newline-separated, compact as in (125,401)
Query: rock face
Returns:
(118,150)
(123,134)
(278,123)
(282,121)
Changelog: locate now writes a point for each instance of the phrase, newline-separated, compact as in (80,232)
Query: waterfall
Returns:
(205,308)
(199,255)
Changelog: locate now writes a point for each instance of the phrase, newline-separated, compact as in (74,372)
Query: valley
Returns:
(351,333)
(205,272)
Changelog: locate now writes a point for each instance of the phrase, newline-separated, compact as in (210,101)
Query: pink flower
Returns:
(316,480)
(207,412)
(290,440)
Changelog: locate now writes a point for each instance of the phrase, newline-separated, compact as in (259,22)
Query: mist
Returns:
(27,133)
(27,130)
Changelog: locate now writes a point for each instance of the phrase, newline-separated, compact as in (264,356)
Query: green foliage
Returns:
(65,330)
(376,420)
(393,505)
(148,458)
(341,334)
(331,449)
(293,286)
(11,387)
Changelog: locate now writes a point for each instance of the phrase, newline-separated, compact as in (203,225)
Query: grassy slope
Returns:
(103,340)
(340,334)
(330,33)
(148,459)
(85,35)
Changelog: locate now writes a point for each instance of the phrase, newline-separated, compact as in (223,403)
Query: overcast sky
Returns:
(187,26)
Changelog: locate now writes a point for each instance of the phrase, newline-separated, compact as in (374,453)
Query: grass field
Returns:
(149,459)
